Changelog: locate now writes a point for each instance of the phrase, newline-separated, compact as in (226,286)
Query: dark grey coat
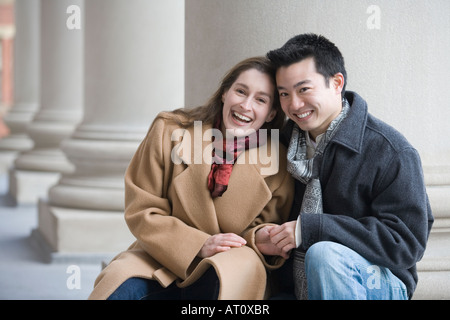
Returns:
(374,196)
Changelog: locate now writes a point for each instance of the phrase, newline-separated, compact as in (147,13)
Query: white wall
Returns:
(400,68)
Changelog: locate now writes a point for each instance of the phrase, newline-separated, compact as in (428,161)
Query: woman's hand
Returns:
(219,243)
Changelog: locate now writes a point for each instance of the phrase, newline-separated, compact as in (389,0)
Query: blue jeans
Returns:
(335,272)
(205,288)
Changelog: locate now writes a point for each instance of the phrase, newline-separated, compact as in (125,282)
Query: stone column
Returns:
(26,82)
(134,68)
(60,104)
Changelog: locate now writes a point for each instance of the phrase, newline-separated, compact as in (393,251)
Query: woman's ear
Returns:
(271,115)
(223,95)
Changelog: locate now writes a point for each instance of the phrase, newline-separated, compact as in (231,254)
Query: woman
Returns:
(193,211)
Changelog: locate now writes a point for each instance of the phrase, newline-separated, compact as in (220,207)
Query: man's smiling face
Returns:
(307,97)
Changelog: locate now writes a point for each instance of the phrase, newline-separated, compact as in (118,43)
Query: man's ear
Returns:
(338,82)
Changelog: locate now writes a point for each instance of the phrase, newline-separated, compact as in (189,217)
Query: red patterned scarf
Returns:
(224,155)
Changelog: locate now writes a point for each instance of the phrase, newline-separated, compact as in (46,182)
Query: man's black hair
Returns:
(327,57)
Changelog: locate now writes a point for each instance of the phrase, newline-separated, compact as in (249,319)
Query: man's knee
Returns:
(326,258)
(329,271)
(323,254)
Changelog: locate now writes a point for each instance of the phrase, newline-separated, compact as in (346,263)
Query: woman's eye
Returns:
(283,94)
(240,91)
(262,100)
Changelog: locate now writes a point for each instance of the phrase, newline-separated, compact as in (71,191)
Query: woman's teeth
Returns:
(241,117)
(304,115)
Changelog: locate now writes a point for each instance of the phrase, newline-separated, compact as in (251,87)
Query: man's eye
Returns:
(283,94)
(302,90)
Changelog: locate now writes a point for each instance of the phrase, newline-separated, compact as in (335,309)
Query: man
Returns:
(361,213)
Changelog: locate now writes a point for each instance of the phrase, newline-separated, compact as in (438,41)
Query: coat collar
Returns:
(232,212)
(351,131)
(196,148)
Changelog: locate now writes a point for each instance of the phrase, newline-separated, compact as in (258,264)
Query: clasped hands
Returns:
(276,240)
(272,240)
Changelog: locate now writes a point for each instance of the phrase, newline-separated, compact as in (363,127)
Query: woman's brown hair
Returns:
(213,108)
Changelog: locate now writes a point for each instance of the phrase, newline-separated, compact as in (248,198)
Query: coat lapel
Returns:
(238,207)
(232,212)
(191,185)
(247,192)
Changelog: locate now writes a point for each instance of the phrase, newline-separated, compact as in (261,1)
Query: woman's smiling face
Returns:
(247,105)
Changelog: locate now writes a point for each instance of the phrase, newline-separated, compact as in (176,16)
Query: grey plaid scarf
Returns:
(307,171)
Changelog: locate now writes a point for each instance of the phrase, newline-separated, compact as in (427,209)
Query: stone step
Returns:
(439,197)
(437,253)
(433,286)
(434,268)
(437,175)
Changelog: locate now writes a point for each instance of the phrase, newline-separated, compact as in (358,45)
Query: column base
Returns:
(7,160)
(43,160)
(26,187)
(87,197)
(16,142)
(50,256)
(80,235)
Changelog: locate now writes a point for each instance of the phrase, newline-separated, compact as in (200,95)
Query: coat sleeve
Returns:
(167,239)
(395,231)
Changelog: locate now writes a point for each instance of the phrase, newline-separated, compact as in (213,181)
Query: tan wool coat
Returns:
(169,210)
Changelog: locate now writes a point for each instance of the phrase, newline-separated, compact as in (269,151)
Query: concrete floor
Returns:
(24,274)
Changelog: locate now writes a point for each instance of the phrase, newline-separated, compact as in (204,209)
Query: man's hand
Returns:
(265,244)
(283,237)
(219,243)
